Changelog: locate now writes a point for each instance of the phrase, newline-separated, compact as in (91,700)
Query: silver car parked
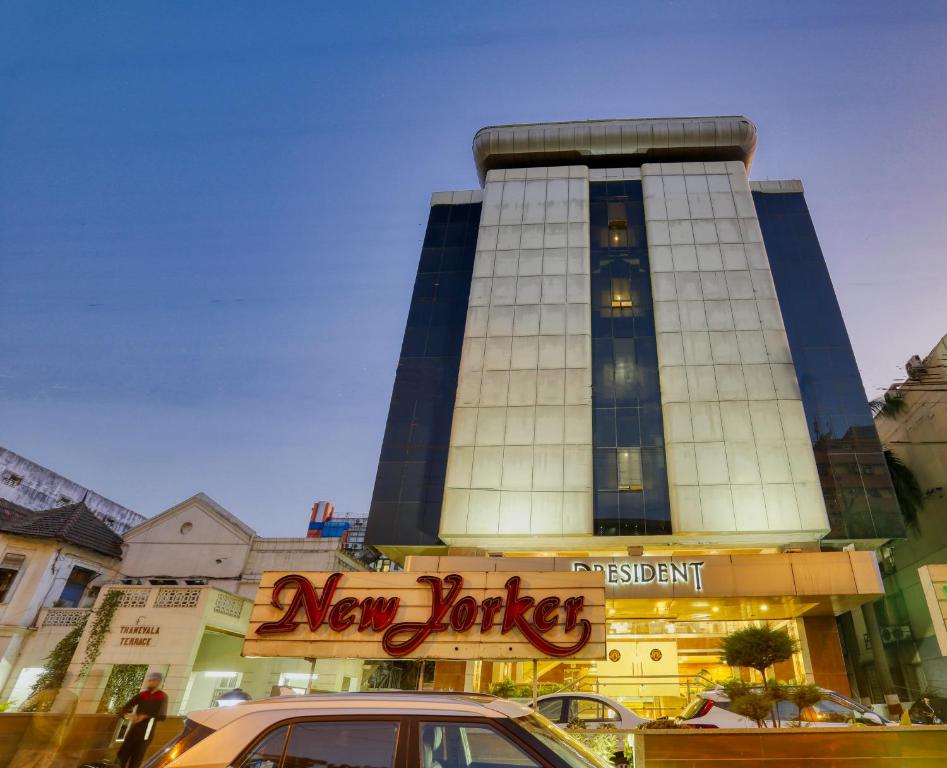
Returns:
(376,730)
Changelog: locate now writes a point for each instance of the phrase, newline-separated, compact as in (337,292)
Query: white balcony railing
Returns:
(63,617)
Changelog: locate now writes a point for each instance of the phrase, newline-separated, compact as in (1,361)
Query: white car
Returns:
(590,710)
(711,709)
(381,730)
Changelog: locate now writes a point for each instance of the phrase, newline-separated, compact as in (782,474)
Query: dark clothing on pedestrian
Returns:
(153,705)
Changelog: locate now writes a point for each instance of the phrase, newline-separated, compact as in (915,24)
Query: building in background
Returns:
(355,533)
(186,580)
(31,485)
(325,523)
(620,344)
(901,641)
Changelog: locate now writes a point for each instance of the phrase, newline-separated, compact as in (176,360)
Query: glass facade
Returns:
(855,482)
(409,485)
(629,476)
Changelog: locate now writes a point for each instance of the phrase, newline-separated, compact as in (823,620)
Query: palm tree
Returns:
(907,490)
(906,487)
(888,406)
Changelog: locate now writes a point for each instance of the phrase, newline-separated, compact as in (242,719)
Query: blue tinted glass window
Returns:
(409,485)
(629,473)
(860,505)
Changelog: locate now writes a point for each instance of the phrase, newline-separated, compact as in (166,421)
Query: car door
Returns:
(828,713)
(787,713)
(474,743)
(360,742)
(592,713)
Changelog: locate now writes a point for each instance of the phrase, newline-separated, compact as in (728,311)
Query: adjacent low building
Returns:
(901,642)
(53,560)
(32,486)
(184,579)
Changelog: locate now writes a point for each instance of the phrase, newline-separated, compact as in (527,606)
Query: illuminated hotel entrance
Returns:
(666,614)
(654,666)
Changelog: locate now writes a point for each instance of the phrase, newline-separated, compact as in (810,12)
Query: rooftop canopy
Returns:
(614,143)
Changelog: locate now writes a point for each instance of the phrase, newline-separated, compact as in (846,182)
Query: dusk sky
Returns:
(211,213)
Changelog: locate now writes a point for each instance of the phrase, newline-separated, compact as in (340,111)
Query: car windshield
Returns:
(566,748)
(851,704)
(692,709)
(187,738)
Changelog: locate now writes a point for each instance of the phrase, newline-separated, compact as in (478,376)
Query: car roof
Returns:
(719,690)
(438,703)
(584,695)
(578,694)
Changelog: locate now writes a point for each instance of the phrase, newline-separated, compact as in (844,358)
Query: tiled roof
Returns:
(72,523)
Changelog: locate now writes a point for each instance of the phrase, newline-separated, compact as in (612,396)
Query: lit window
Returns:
(10,566)
(621,293)
(617,225)
(629,469)
(23,686)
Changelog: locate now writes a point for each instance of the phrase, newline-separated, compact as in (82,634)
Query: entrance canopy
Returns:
(697,587)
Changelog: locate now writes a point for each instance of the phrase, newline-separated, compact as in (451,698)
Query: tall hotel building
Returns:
(623,354)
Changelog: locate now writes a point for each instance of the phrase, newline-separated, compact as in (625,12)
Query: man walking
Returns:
(143,710)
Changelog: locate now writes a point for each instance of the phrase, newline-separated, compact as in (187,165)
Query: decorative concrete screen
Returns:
(466,615)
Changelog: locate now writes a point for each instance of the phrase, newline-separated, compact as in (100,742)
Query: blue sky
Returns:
(210,213)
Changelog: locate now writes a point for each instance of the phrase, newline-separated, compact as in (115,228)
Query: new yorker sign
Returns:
(474,615)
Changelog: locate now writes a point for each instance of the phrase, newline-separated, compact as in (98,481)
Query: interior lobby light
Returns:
(234,697)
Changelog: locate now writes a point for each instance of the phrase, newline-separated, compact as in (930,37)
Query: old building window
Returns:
(10,567)
(76,586)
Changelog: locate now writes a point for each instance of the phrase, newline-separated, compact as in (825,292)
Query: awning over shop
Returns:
(692,586)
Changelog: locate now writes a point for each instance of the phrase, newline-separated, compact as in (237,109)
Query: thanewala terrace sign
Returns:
(470,615)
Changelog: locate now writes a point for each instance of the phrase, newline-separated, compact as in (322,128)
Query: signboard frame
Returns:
(463,616)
